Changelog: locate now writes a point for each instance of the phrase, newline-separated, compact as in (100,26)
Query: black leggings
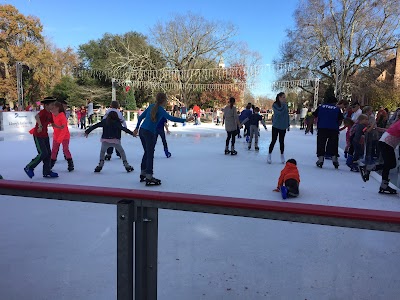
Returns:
(275,133)
(231,134)
(389,159)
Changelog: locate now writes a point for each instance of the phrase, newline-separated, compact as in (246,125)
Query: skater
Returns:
(196,114)
(231,121)
(245,115)
(358,141)
(348,124)
(356,108)
(83,113)
(151,117)
(329,119)
(90,112)
(253,122)
(389,141)
(61,136)
(111,137)
(42,142)
(289,180)
(161,133)
(280,123)
(114,107)
(303,115)
(309,122)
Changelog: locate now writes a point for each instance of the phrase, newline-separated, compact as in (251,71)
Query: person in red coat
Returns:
(289,180)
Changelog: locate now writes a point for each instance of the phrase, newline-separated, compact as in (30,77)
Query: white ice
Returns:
(67,250)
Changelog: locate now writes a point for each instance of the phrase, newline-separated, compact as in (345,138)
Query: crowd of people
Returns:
(371,139)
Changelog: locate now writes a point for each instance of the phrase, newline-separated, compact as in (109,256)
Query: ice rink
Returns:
(65,250)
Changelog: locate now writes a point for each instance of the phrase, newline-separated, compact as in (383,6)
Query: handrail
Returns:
(116,194)
(141,208)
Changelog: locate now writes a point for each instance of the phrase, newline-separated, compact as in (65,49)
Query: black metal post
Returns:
(146,253)
(125,219)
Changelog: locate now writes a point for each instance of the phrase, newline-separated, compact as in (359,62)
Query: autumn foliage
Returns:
(21,40)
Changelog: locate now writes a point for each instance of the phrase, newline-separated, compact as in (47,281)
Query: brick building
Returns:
(388,71)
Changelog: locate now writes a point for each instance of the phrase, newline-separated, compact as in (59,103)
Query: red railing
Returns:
(140,207)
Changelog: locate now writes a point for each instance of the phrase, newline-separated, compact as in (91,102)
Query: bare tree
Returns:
(190,42)
(344,33)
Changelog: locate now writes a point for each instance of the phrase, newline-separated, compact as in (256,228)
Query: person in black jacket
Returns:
(111,137)
(329,119)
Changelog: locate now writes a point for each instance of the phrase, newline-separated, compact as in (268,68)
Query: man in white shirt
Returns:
(356,111)
(303,114)
(90,112)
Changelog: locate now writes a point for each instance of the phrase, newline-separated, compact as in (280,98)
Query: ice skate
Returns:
(107,157)
(364,173)
(320,161)
(51,175)
(152,181)
(269,158)
(167,153)
(247,138)
(249,147)
(386,189)
(233,151)
(227,150)
(127,166)
(256,148)
(142,178)
(335,162)
(284,192)
(70,164)
(99,167)
(355,168)
(29,172)
(282,158)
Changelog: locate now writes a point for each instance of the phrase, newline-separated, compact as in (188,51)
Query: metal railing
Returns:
(137,246)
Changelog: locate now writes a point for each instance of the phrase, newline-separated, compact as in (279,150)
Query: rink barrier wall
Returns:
(137,246)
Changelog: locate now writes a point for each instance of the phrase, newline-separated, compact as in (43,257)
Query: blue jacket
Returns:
(329,116)
(160,124)
(151,126)
(280,119)
(246,113)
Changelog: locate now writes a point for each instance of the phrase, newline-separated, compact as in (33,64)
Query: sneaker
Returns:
(51,175)
(269,159)
(29,172)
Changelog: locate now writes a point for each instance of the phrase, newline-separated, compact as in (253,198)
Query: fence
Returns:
(137,246)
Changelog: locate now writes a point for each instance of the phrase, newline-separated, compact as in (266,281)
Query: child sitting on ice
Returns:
(289,180)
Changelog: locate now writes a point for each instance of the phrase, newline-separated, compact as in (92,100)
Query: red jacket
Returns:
(290,171)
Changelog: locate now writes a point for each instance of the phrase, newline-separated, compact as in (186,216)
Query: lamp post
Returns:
(20,88)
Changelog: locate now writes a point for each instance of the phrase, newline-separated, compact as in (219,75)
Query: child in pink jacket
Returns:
(61,136)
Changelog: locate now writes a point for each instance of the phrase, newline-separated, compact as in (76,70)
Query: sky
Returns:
(261,24)
(67,250)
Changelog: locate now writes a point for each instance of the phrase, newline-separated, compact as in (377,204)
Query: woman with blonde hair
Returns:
(148,133)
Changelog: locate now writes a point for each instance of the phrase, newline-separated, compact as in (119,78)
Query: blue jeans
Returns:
(148,140)
(161,133)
